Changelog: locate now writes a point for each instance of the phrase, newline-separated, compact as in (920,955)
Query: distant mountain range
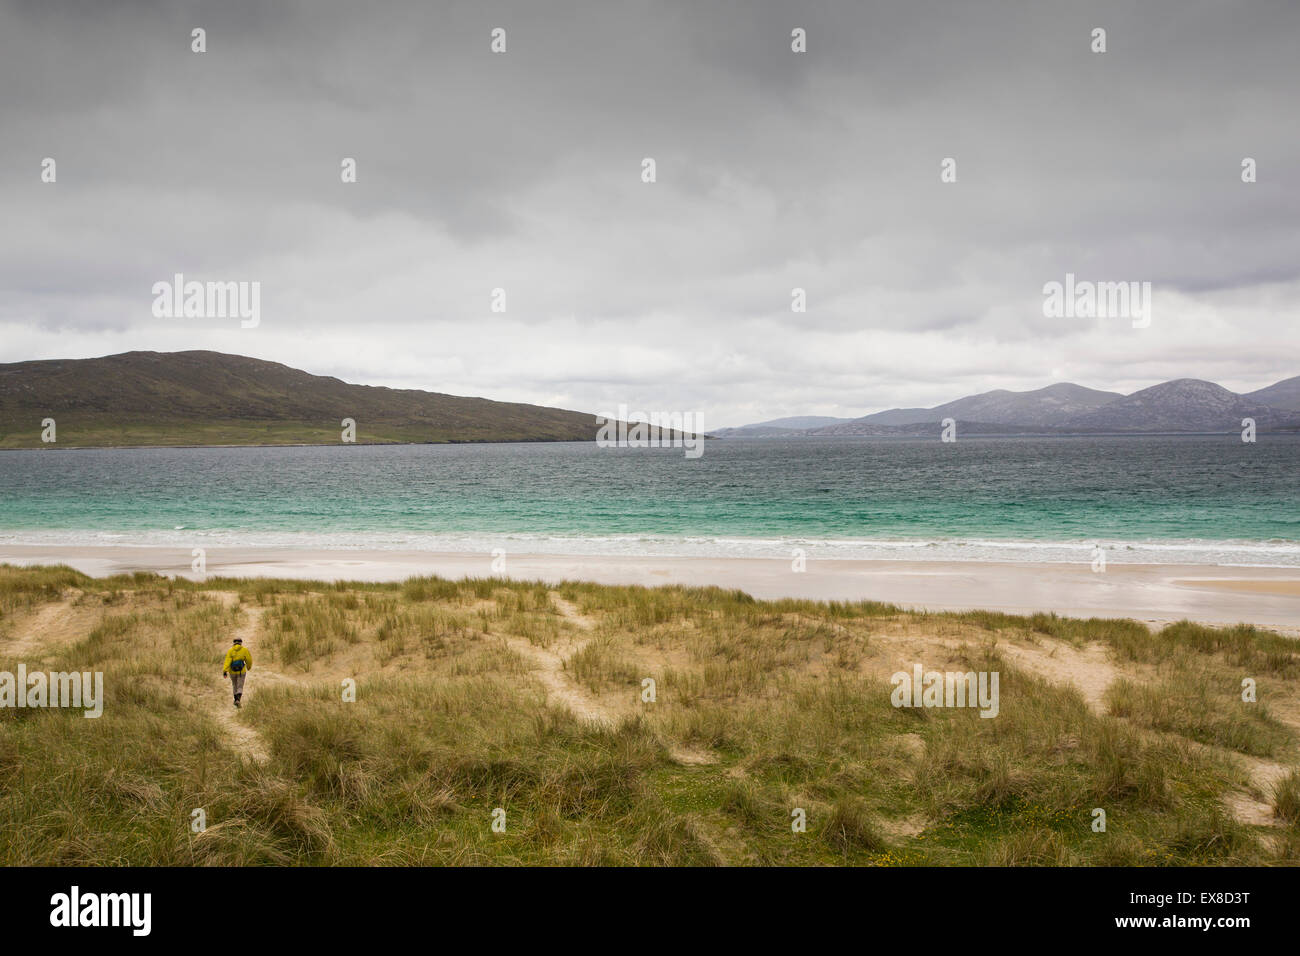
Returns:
(1183,405)
(210,398)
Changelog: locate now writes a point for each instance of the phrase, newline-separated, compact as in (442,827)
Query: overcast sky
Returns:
(775,170)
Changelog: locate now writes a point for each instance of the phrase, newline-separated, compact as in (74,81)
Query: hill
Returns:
(1185,404)
(1283,394)
(1182,405)
(1048,407)
(203,398)
(793,427)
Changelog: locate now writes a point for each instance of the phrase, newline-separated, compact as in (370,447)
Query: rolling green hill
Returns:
(209,398)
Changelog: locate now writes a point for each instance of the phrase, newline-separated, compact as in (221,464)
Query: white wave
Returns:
(1228,553)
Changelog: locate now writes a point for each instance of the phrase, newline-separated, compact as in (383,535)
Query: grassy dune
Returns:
(485,694)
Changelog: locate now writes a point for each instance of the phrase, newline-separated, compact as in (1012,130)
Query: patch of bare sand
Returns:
(569,611)
(238,736)
(913,744)
(548,666)
(1253,806)
(691,756)
(228,599)
(1091,672)
(903,827)
(1259,586)
(898,651)
(56,624)
(1089,669)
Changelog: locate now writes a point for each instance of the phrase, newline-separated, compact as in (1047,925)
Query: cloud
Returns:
(775,170)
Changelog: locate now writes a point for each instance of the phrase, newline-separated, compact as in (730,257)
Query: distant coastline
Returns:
(217,400)
(733,436)
(295,444)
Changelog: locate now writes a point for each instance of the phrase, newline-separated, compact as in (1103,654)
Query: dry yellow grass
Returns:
(477,696)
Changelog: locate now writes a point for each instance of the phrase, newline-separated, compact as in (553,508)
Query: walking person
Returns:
(237,664)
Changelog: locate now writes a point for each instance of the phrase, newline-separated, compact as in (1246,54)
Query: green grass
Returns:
(784,705)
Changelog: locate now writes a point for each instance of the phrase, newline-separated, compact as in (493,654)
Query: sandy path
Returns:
(1247,807)
(217,699)
(61,623)
(549,668)
(1089,669)
(57,623)
(570,612)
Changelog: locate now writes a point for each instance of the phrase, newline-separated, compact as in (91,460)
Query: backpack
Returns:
(236,665)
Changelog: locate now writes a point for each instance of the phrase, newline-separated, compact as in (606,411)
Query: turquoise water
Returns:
(1164,498)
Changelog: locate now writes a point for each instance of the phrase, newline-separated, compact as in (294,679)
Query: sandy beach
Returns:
(1268,597)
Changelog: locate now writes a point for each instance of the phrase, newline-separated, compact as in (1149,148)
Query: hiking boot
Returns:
(236,701)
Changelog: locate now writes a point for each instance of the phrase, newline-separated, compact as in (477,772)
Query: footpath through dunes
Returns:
(1091,668)
(551,667)
(1091,671)
(218,699)
(37,634)
(1087,669)
(488,693)
(548,666)
(32,634)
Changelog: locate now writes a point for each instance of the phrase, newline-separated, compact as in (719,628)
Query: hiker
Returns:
(237,664)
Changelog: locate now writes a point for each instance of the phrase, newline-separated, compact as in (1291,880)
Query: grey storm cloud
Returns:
(776,170)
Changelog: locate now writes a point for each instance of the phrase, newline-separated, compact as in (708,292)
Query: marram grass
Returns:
(485,695)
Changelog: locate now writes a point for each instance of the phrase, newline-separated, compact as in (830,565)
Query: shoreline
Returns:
(918,436)
(55,446)
(1154,593)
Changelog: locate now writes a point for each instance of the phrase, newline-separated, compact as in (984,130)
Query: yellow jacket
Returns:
(237,652)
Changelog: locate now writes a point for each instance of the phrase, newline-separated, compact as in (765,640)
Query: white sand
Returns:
(1158,593)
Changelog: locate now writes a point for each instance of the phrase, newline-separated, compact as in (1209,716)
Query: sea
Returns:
(1142,499)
